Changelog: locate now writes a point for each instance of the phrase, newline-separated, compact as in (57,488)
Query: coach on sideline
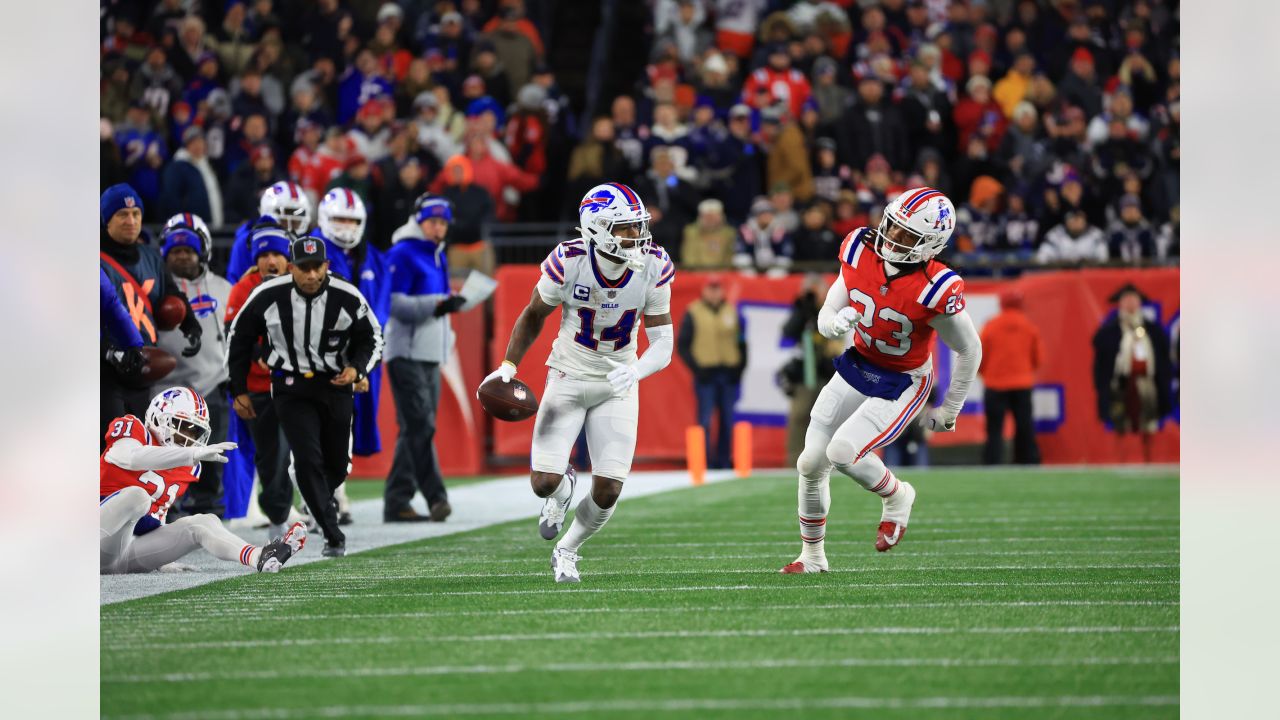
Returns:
(321,339)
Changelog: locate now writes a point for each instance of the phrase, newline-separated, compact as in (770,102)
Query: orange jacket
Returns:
(1011,352)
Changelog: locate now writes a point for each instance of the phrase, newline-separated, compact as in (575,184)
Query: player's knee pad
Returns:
(841,452)
(812,463)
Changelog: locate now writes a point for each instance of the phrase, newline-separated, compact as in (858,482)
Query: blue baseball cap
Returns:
(116,198)
(181,236)
(269,239)
(434,206)
(484,104)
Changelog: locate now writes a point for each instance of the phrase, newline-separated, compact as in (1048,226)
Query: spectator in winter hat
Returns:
(1012,89)
(1130,237)
(978,115)
(486,65)
(189,183)
(764,245)
(872,125)
(1023,148)
(248,183)
(1073,241)
(1079,87)
(1120,110)
(708,243)
(473,209)
(977,222)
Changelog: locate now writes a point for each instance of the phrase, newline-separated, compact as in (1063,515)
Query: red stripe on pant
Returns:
(911,409)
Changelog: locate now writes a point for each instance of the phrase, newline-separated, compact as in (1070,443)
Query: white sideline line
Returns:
(327,581)
(270,596)
(1005,519)
(247,614)
(645,666)
(640,635)
(1092,539)
(646,531)
(596,707)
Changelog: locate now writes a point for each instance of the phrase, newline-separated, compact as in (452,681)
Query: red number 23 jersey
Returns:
(894,331)
(164,486)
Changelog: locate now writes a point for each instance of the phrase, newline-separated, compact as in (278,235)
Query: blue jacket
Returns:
(133,144)
(119,325)
(144,263)
(419,281)
(183,190)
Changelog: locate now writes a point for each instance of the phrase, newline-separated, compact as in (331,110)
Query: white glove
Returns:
(622,377)
(940,419)
(841,324)
(506,371)
(213,453)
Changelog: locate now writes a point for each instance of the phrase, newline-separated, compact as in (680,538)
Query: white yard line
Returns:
(588,636)
(646,666)
(683,705)
(249,614)
(476,505)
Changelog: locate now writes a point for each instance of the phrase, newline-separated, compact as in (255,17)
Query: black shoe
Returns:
(345,518)
(406,514)
(440,511)
(339,550)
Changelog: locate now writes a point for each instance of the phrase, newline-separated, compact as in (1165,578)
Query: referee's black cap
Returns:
(307,250)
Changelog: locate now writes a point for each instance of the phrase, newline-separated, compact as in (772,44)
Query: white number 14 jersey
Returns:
(599,317)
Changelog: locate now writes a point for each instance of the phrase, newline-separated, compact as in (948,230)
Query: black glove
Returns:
(193,344)
(126,361)
(452,304)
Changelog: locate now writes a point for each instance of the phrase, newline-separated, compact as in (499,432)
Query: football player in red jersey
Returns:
(146,467)
(894,295)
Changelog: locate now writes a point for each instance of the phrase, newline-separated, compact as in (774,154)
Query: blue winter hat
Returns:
(182,236)
(116,198)
(434,206)
(269,239)
(485,104)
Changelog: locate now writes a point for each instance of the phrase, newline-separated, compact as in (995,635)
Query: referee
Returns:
(321,339)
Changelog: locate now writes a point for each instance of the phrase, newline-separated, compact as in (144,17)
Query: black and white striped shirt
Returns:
(322,334)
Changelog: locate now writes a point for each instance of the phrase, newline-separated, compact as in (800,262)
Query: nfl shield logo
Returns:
(128,201)
(309,246)
(884,289)
(612,294)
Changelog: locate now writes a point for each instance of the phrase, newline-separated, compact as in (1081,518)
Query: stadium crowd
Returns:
(759,132)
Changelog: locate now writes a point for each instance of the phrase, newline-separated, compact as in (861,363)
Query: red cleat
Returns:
(799,568)
(889,535)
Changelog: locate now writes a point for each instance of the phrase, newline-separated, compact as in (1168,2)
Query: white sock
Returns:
(563,490)
(249,555)
(871,473)
(813,503)
(587,520)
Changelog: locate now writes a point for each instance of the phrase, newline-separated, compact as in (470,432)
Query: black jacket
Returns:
(339,330)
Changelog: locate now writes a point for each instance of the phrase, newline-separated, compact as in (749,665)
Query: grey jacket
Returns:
(206,369)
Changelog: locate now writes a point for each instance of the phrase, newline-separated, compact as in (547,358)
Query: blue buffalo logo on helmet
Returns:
(596,202)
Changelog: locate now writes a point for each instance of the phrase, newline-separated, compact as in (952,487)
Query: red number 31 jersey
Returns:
(164,486)
(894,331)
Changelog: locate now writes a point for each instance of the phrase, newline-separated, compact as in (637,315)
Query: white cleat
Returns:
(564,565)
(893,520)
(278,551)
(551,521)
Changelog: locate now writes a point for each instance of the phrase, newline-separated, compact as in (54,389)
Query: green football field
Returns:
(1015,594)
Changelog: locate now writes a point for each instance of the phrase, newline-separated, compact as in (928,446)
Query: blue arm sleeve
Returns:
(119,325)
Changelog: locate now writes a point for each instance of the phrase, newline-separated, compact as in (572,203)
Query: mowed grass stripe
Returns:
(680,634)
(682,705)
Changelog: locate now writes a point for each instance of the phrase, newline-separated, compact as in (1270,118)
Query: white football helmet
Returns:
(288,203)
(342,217)
(915,226)
(179,416)
(194,222)
(604,211)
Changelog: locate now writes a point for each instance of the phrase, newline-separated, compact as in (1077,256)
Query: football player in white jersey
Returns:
(607,281)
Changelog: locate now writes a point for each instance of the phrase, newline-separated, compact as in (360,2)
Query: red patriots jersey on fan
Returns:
(164,486)
(894,332)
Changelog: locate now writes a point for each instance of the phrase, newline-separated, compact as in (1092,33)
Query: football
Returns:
(158,364)
(512,401)
(170,313)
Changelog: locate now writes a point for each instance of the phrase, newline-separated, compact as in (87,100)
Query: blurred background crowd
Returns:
(759,132)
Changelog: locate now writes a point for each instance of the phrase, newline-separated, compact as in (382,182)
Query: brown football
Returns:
(512,401)
(159,363)
(170,313)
